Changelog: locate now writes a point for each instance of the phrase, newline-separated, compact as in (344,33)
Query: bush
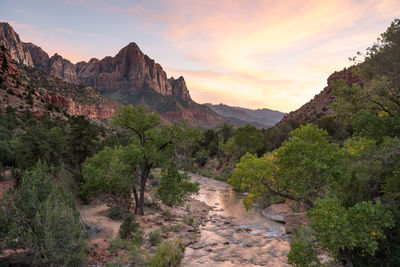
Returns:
(167,254)
(177,227)
(114,264)
(155,237)
(175,187)
(44,219)
(117,244)
(302,252)
(168,215)
(201,158)
(128,227)
(137,256)
(116,213)
(188,220)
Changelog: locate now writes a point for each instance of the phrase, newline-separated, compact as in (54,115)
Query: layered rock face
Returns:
(319,106)
(10,40)
(129,70)
(74,108)
(8,67)
(40,99)
(40,58)
(130,77)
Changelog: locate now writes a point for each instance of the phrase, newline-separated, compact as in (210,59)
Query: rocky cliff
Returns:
(10,40)
(28,89)
(319,106)
(130,77)
(129,70)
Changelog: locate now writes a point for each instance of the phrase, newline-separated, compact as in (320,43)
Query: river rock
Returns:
(277,212)
(294,221)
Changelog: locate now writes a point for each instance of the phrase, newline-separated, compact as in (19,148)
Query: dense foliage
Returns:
(347,174)
(41,217)
(124,170)
(174,187)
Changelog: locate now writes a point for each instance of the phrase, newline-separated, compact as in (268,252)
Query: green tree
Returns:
(342,230)
(225,132)
(83,140)
(248,139)
(174,187)
(151,145)
(108,171)
(302,169)
(126,169)
(41,216)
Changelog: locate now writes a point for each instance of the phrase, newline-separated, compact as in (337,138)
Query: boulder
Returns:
(294,221)
(277,212)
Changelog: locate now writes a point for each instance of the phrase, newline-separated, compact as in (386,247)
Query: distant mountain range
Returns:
(130,77)
(260,118)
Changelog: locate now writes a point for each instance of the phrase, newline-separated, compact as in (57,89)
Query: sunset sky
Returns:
(250,53)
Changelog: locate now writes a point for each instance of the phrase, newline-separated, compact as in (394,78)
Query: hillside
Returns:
(319,106)
(25,88)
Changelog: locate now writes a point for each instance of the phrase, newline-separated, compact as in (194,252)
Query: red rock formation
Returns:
(18,92)
(129,73)
(62,68)
(10,39)
(40,58)
(129,70)
(7,66)
(73,108)
(179,88)
(319,106)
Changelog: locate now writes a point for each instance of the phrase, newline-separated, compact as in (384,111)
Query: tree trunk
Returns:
(135,194)
(145,172)
(346,254)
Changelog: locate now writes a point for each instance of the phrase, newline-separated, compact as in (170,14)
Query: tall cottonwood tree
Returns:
(152,145)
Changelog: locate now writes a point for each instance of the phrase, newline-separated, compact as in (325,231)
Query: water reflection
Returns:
(234,236)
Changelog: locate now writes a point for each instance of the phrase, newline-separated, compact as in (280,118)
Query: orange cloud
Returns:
(295,43)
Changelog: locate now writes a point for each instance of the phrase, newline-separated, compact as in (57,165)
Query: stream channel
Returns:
(233,236)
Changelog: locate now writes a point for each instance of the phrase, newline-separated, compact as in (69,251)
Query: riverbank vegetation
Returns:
(54,166)
(343,169)
(350,184)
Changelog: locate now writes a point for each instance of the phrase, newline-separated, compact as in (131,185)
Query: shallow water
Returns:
(233,236)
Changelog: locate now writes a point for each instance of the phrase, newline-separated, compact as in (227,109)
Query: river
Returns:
(233,236)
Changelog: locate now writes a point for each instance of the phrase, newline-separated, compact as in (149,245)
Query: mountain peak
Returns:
(132,47)
(10,39)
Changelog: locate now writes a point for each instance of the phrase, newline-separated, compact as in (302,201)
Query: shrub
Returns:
(302,252)
(137,256)
(201,157)
(175,187)
(116,213)
(128,227)
(168,214)
(167,254)
(114,264)
(45,220)
(187,207)
(188,220)
(177,227)
(155,237)
(117,244)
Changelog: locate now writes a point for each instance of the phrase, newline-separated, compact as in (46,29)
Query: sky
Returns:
(249,53)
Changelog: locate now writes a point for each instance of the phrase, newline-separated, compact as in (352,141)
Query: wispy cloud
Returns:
(21,26)
(258,53)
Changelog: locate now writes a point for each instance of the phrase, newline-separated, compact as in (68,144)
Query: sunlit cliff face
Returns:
(274,54)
